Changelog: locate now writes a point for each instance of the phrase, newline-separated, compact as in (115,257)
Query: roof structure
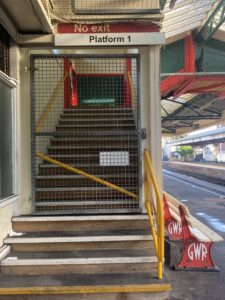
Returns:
(212,136)
(182,16)
(191,99)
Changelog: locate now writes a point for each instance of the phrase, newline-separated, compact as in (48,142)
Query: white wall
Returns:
(9,206)
(151,107)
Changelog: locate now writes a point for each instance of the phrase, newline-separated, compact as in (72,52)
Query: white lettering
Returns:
(174,228)
(80,28)
(197,251)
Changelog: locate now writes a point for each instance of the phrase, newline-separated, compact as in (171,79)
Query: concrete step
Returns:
(67,210)
(88,204)
(93,150)
(98,114)
(83,253)
(50,169)
(96,127)
(104,265)
(101,110)
(96,120)
(81,181)
(77,208)
(100,147)
(71,193)
(43,244)
(90,159)
(79,223)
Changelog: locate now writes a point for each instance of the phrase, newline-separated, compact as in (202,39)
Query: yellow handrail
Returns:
(158,235)
(133,93)
(87,175)
(50,103)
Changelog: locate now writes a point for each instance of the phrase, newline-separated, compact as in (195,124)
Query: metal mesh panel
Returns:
(113,7)
(4,50)
(100,9)
(85,114)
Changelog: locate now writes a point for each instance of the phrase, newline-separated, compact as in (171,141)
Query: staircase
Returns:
(78,255)
(81,135)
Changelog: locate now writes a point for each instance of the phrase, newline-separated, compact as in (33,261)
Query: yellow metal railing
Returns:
(155,211)
(87,175)
(50,104)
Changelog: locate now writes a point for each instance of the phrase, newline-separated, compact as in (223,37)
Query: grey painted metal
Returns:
(193,74)
(198,108)
(212,136)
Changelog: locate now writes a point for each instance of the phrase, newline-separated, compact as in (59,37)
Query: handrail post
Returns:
(158,237)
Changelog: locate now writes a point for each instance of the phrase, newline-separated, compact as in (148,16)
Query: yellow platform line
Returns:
(87,175)
(60,290)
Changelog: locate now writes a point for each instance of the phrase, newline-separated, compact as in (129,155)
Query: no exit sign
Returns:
(139,33)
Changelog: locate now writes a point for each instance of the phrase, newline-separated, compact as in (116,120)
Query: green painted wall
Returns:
(100,87)
(215,56)
(172,57)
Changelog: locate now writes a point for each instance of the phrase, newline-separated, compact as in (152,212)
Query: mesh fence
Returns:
(102,9)
(85,114)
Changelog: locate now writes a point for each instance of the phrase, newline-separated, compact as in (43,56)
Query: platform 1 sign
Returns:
(124,34)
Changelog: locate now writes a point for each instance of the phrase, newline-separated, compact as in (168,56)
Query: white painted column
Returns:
(151,107)
(24,134)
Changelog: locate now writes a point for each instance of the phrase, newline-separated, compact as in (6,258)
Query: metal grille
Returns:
(114,7)
(89,10)
(4,50)
(85,114)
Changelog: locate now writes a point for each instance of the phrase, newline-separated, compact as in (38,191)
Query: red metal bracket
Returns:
(173,227)
(196,255)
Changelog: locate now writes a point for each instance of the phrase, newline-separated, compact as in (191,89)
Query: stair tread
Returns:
(127,146)
(80,176)
(10,261)
(95,119)
(77,239)
(84,253)
(83,203)
(96,125)
(86,165)
(96,188)
(80,218)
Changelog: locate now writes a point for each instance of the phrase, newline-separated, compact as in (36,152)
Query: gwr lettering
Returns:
(106,39)
(197,251)
(175,228)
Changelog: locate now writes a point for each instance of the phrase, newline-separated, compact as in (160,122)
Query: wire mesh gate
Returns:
(85,114)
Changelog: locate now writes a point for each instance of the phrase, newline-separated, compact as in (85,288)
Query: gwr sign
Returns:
(197,251)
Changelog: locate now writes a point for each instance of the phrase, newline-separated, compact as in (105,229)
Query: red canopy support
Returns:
(128,93)
(70,85)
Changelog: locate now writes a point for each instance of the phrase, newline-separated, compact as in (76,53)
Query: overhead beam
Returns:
(208,29)
(42,16)
(213,23)
(8,25)
(191,118)
(24,39)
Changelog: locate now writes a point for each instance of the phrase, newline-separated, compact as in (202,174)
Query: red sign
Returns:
(107,28)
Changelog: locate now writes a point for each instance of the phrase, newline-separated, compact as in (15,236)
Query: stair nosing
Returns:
(81,176)
(81,218)
(84,239)
(79,261)
(75,189)
(83,203)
